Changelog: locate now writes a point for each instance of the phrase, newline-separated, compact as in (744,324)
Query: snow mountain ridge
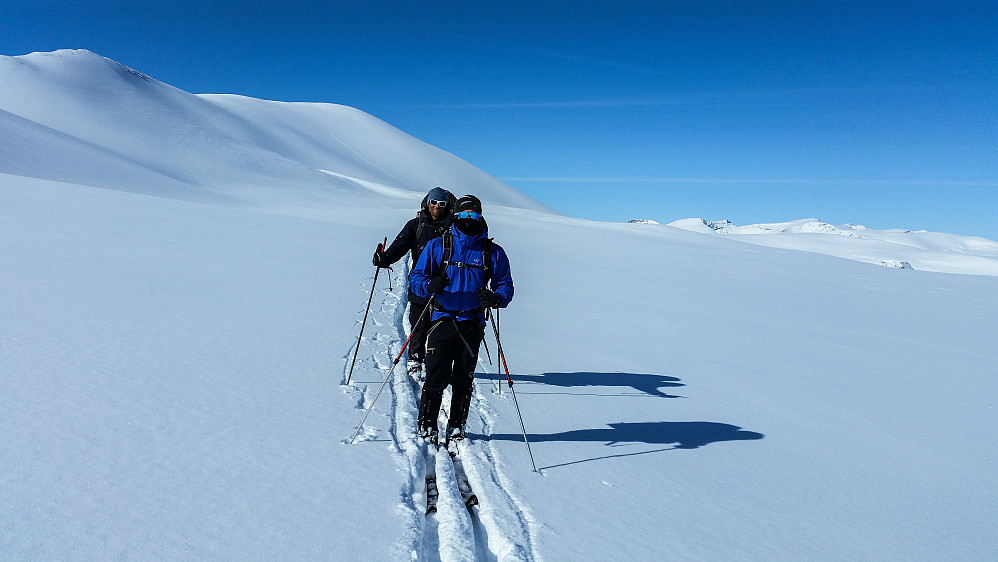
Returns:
(78,117)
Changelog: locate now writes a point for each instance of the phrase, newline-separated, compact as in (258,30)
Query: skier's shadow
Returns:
(681,435)
(684,435)
(649,385)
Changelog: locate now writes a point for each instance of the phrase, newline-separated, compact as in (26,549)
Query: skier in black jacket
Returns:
(432,220)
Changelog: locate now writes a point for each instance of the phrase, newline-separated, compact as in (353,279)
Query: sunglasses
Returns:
(436,203)
(468,215)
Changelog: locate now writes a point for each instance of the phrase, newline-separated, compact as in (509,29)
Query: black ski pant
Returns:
(418,329)
(449,362)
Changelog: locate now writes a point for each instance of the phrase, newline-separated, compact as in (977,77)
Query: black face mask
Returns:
(470,227)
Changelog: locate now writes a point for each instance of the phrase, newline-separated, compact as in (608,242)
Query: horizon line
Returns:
(567,179)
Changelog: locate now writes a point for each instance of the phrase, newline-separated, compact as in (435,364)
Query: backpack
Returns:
(448,252)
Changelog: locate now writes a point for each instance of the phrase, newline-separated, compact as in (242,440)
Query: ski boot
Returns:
(415,371)
(429,433)
(452,436)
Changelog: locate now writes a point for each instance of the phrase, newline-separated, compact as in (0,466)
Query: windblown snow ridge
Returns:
(81,118)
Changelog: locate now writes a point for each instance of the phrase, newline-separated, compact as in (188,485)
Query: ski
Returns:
(431,494)
(431,479)
(467,494)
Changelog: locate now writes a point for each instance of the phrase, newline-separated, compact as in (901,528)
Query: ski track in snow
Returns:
(500,528)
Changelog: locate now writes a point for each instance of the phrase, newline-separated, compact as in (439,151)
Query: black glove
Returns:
(488,298)
(437,284)
(380,258)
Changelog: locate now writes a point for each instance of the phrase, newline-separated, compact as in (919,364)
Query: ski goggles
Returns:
(468,215)
(437,203)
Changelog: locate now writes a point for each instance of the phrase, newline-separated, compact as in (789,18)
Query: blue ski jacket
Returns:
(460,298)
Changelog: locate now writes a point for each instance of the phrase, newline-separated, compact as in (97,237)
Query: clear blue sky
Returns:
(878,113)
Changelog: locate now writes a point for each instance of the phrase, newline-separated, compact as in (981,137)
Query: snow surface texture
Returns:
(173,354)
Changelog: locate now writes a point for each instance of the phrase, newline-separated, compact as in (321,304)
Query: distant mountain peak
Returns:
(77,117)
(897,249)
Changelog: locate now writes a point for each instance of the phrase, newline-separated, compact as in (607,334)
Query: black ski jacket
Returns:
(408,241)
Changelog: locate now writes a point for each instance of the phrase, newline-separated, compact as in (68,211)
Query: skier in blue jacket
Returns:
(475,278)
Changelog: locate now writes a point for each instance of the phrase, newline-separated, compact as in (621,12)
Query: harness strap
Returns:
(448,251)
(468,265)
(454,313)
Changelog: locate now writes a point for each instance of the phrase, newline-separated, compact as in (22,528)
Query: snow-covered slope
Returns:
(173,377)
(77,117)
(902,249)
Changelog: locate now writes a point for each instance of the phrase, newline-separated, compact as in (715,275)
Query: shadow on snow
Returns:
(680,435)
(685,435)
(647,384)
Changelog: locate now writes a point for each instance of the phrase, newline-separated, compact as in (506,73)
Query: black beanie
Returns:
(468,203)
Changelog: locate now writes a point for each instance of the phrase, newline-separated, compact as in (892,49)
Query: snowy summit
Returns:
(184,281)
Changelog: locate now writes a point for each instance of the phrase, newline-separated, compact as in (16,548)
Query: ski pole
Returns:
(502,358)
(356,348)
(489,316)
(472,353)
(487,354)
(388,376)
